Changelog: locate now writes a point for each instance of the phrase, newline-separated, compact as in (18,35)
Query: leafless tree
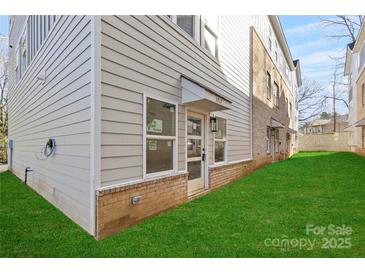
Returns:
(3,110)
(339,92)
(310,100)
(347,26)
(3,91)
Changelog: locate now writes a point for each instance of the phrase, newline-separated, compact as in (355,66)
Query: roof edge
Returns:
(275,21)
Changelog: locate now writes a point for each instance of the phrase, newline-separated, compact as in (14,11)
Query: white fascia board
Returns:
(282,40)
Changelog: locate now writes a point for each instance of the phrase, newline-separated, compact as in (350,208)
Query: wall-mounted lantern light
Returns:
(213,124)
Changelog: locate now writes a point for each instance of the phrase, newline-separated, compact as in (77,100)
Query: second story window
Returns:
(363,94)
(37,29)
(268,86)
(290,109)
(210,41)
(350,95)
(17,65)
(23,55)
(276,94)
(209,35)
(186,22)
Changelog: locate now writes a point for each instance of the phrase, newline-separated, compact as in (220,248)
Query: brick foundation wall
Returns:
(116,212)
(222,175)
(360,151)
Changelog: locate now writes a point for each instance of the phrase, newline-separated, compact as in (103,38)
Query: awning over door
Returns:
(292,131)
(276,124)
(360,123)
(201,98)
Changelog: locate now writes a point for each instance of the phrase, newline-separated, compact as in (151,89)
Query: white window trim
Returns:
(22,51)
(204,26)
(24,30)
(268,140)
(225,140)
(174,139)
(277,141)
(195,37)
(17,64)
(268,86)
(276,94)
(11,23)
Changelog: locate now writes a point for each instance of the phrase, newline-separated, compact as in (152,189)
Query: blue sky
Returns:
(3,24)
(308,41)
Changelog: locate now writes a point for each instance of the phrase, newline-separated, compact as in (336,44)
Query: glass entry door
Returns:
(195,152)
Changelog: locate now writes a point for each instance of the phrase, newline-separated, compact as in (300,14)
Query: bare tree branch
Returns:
(347,26)
(310,100)
(338,99)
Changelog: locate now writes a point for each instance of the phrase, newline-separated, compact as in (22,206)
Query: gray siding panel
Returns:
(148,55)
(58,108)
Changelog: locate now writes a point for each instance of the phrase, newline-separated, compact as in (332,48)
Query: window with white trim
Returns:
(160,136)
(23,54)
(220,141)
(17,64)
(268,85)
(290,109)
(277,141)
(268,140)
(350,94)
(35,33)
(276,94)
(209,37)
(185,22)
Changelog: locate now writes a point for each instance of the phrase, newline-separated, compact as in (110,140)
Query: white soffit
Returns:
(360,123)
(276,124)
(198,97)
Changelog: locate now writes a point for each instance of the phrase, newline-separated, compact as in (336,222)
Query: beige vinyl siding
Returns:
(148,55)
(58,108)
(234,56)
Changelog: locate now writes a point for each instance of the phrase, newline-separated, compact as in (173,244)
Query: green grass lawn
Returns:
(275,202)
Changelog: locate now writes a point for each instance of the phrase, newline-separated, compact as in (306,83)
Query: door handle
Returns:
(203,155)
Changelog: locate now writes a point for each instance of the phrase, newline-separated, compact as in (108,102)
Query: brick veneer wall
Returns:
(222,175)
(116,212)
(263,108)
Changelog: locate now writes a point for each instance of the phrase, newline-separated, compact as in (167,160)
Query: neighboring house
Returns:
(116,118)
(355,70)
(320,126)
(276,80)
